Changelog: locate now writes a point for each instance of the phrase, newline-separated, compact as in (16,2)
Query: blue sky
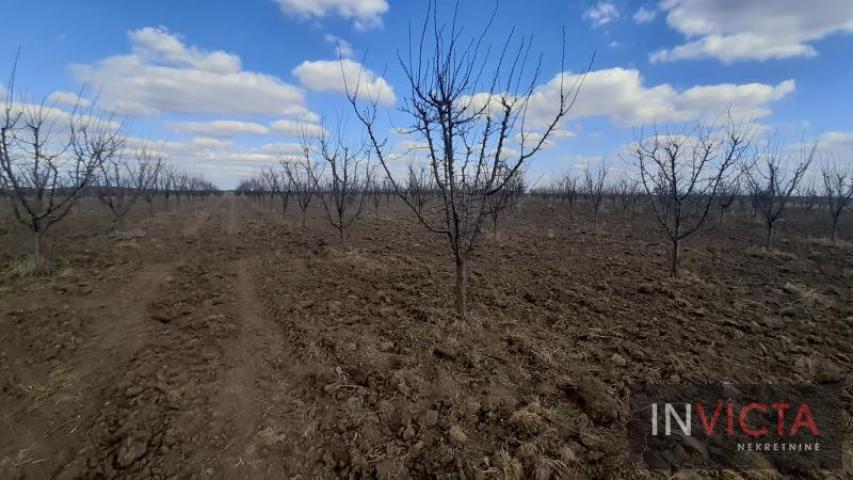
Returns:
(223,86)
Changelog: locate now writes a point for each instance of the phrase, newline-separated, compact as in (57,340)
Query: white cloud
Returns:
(365,14)
(620,95)
(219,128)
(68,98)
(644,15)
(329,75)
(601,14)
(206,142)
(737,30)
(343,49)
(222,161)
(837,141)
(297,129)
(60,120)
(282,149)
(162,74)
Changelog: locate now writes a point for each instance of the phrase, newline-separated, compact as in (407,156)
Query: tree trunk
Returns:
(37,247)
(834,229)
(676,256)
(461,281)
(769,244)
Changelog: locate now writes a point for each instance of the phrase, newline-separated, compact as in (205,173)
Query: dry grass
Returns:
(806,296)
(772,254)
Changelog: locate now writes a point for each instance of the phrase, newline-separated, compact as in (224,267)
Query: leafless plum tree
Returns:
(419,187)
(149,174)
(629,192)
(166,183)
(773,177)
(301,178)
(838,190)
(48,159)
(468,119)
(121,181)
(727,192)
(342,190)
(506,198)
(374,189)
(271,184)
(682,173)
(593,189)
(568,188)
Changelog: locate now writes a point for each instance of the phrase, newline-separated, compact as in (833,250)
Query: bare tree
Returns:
(48,158)
(166,182)
(148,176)
(272,185)
(682,173)
(468,119)
(374,189)
(419,187)
(838,189)
(593,189)
(629,193)
(568,190)
(506,198)
(122,181)
(342,191)
(727,192)
(772,180)
(300,178)
(808,193)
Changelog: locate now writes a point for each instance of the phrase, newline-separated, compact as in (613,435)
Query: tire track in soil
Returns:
(119,330)
(251,393)
(194,226)
(153,421)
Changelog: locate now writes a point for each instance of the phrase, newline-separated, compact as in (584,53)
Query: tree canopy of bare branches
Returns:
(49,159)
(773,177)
(838,189)
(342,182)
(682,172)
(469,108)
(121,181)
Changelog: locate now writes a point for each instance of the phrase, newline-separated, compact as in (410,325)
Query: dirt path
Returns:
(192,228)
(117,324)
(252,395)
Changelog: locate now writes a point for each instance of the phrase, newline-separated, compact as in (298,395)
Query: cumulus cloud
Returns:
(67,98)
(222,161)
(601,14)
(364,14)
(621,95)
(60,120)
(163,74)
(343,49)
(336,75)
(644,15)
(219,128)
(214,153)
(837,141)
(297,129)
(737,30)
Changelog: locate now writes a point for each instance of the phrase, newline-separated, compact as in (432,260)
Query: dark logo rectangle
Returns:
(787,427)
